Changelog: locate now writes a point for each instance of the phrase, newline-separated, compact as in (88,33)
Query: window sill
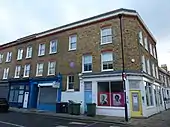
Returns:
(27,57)
(51,53)
(72,50)
(105,43)
(109,107)
(70,90)
(39,75)
(19,59)
(107,70)
(50,74)
(25,76)
(16,77)
(41,55)
(86,71)
(7,61)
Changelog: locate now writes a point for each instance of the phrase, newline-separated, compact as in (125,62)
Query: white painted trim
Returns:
(83,64)
(71,49)
(96,19)
(39,49)
(45,84)
(101,43)
(56,41)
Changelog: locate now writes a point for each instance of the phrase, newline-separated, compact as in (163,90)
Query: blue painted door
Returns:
(87,94)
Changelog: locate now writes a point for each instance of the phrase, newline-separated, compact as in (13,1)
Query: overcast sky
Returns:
(20,18)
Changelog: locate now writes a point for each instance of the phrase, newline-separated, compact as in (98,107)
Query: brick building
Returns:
(83,60)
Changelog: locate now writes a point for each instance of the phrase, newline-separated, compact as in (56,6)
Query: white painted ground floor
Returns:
(144,95)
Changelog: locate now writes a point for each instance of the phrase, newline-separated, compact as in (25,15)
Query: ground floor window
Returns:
(149,94)
(110,94)
(16,94)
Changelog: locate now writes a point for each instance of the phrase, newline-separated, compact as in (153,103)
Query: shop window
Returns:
(149,94)
(110,94)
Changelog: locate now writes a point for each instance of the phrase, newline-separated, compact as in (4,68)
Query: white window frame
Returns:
(106,61)
(153,70)
(141,37)
(1,58)
(6,73)
(26,69)
(102,43)
(70,42)
(29,52)
(150,49)
(83,63)
(146,43)
(71,82)
(143,64)
(154,51)
(39,50)
(20,54)
(52,52)
(49,64)
(9,57)
(157,73)
(17,69)
(38,67)
(148,67)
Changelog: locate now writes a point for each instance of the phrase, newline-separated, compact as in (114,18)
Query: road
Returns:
(16,119)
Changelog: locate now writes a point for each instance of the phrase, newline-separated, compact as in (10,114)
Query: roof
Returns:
(80,23)
(164,71)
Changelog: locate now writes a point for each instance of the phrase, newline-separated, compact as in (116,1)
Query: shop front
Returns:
(19,91)
(48,92)
(4,89)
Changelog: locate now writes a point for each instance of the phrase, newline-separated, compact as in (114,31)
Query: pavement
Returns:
(20,119)
(36,118)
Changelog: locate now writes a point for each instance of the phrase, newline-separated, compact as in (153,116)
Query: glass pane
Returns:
(20,98)
(135,102)
(117,86)
(103,86)
(87,67)
(16,96)
(73,45)
(71,86)
(106,31)
(11,95)
(87,59)
(107,57)
(73,38)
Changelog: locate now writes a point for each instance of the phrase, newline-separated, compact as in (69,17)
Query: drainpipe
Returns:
(123,69)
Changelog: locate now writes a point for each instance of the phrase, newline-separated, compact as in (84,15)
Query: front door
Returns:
(87,94)
(25,104)
(136,105)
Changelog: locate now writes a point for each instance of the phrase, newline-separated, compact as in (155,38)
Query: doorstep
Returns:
(97,118)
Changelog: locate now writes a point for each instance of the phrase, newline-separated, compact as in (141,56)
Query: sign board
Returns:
(56,84)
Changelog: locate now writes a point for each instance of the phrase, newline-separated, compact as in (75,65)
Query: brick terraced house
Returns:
(82,61)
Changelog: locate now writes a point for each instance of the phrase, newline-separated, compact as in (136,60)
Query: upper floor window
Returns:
(29,52)
(106,35)
(140,37)
(9,56)
(148,67)
(150,48)
(53,46)
(146,43)
(41,50)
(20,54)
(1,58)
(51,68)
(107,61)
(87,63)
(6,73)
(27,70)
(154,51)
(157,74)
(39,71)
(143,64)
(153,70)
(70,82)
(73,42)
(17,71)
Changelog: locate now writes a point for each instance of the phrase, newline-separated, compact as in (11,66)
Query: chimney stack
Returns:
(164,66)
